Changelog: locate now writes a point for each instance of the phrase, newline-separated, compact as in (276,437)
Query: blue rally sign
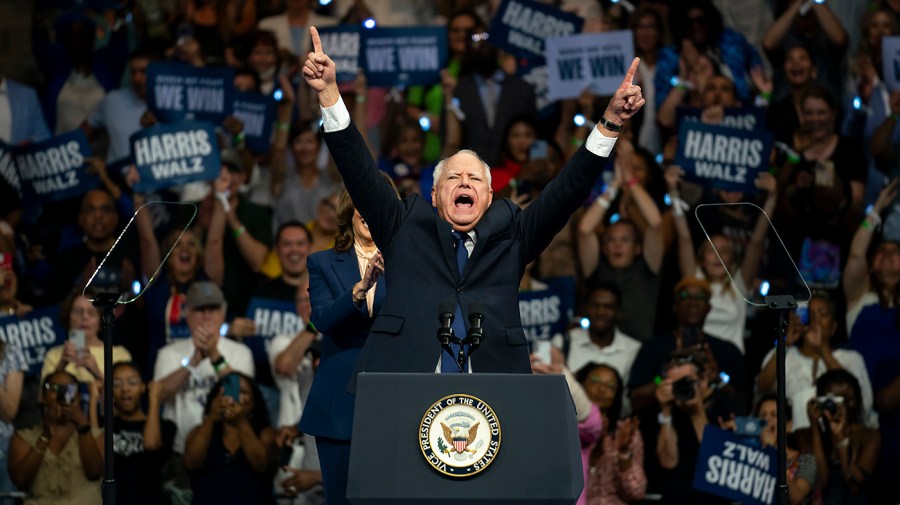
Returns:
(169,155)
(723,158)
(272,318)
(176,91)
(55,169)
(8,166)
(34,334)
(741,118)
(546,312)
(521,27)
(341,44)
(729,467)
(257,112)
(403,56)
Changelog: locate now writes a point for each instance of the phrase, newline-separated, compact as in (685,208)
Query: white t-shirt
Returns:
(728,310)
(619,354)
(186,408)
(800,385)
(295,388)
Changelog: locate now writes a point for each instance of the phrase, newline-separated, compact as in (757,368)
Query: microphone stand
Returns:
(782,305)
(106,303)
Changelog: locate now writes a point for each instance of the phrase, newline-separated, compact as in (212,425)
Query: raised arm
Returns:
(754,252)
(687,262)
(550,212)
(371,195)
(855,277)
(775,34)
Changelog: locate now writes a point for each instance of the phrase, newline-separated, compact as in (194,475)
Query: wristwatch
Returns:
(609,125)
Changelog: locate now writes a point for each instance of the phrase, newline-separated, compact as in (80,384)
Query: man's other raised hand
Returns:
(627,100)
(320,72)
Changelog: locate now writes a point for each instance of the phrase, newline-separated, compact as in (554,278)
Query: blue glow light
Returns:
(674,80)
(324,2)
(136,287)
(369,23)
(278,94)
(869,209)
(725,378)
(613,219)
(857,103)
(578,120)
(223,330)
(668,200)
(764,288)
(425,123)
(659,159)
(585,323)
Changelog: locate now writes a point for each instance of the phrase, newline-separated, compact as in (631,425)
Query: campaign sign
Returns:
(272,318)
(54,169)
(723,158)
(890,55)
(546,312)
(341,44)
(257,111)
(595,60)
(177,91)
(729,467)
(521,27)
(742,118)
(8,166)
(34,334)
(403,56)
(169,155)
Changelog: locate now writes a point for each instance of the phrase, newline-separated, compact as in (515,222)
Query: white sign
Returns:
(597,61)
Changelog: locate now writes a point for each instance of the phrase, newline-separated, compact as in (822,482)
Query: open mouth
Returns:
(464,201)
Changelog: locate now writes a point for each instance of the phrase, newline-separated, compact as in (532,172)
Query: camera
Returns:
(830,402)
(683,389)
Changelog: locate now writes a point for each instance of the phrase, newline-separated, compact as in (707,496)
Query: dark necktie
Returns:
(448,363)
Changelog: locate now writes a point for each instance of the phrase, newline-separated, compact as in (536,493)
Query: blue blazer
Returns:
(25,109)
(329,408)
(420,261)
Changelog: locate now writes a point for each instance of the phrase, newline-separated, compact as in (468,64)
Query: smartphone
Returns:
(748,426)
(542,350)
(77,338)
(538,150)
(232,387)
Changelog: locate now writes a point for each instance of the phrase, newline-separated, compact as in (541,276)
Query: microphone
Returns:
(445,316)
(476,332)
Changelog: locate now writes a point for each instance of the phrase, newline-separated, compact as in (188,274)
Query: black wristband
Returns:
(83,429)
(219,362)
(609,125)
(310,327)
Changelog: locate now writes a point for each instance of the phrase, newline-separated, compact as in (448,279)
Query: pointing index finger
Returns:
(316,41)
(629,76)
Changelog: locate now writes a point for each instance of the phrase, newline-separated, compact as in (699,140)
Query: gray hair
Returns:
(439,168)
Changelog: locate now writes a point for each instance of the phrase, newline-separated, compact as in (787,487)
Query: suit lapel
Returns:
(347,270)
(447,245)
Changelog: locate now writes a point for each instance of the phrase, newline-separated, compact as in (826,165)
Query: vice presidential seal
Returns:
(459,435)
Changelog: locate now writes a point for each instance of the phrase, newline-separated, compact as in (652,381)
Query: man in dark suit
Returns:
(489,98)
(495,240)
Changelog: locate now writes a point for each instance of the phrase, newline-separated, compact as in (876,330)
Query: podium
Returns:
(537,462)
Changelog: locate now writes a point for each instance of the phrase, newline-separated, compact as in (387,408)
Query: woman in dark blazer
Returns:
(346,290)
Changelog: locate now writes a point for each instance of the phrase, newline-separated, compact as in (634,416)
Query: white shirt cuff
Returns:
(336,117)
(597,143)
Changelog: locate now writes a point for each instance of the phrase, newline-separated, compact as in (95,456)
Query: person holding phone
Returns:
(82,354)
(801,466)
(230,456)
(59,461)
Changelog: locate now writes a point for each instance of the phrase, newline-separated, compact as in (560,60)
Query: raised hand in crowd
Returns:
(97,166)
(148,119)
(241,328)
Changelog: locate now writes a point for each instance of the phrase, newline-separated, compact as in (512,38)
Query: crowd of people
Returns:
(663,342)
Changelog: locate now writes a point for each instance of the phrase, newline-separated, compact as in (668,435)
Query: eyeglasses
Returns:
(700,296)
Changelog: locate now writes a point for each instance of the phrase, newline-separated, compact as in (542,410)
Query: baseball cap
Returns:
(204,294)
